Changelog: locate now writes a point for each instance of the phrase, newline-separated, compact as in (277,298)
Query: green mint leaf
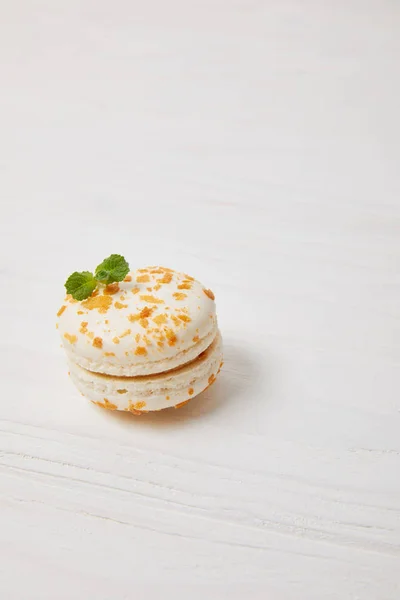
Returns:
(80,285)
(114,268)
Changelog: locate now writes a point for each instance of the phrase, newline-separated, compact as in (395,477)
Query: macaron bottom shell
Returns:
(151,392)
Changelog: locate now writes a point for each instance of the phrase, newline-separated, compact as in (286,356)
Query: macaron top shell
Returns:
(154,320)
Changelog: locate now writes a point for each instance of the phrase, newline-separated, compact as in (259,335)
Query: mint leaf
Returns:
(80,285)
(114,268)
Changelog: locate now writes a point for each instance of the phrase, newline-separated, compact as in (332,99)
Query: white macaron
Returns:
(146,343)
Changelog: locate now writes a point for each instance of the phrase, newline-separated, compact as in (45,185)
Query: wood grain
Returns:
(254,145)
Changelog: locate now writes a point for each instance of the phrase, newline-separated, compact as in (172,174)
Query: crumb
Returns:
(184,318)
(109,354)
(190,391)
(119,305)
(209,293)
(143,314)
(80,312)
(147,311)
(137,338)
(140,351)
(127,332)
(60,312)
(83,327)
(71,338)
(179,296)
(135,290)
(152,299)
(101,303)
(116,340)
(111,289)
(147,341)
(185,286)
(157,271)
(134,411)
(171,337)
(128,278)
(167,278)
(144,323)
(160,319)
(196,339)
(176,320)
(188,277)
(106,404)
(122,391)
(182,404)
(211,379)
(97,342)
(143,278)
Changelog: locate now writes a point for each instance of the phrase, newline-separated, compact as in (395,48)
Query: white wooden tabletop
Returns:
(255,145)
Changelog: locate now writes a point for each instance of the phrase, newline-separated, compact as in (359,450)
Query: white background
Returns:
(255,145)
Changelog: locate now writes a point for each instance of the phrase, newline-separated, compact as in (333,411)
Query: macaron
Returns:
(143,344)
